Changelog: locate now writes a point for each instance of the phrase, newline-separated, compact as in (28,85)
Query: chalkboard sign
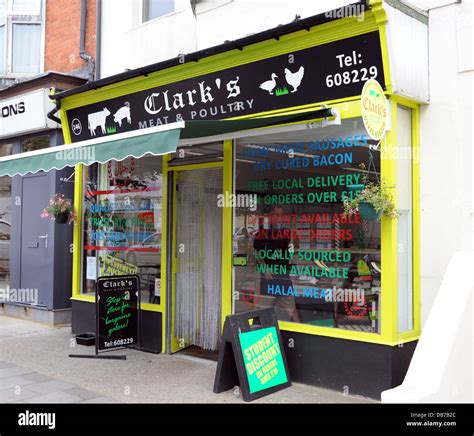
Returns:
(252,355)
(117,311)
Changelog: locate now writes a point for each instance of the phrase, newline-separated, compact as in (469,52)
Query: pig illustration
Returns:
(122,113)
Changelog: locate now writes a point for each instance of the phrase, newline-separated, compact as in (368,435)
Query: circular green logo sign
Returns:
(374,109)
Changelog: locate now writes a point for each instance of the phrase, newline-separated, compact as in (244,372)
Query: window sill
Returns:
(154,20)
(374,338)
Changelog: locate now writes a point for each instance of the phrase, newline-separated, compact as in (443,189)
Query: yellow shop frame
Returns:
(375,19)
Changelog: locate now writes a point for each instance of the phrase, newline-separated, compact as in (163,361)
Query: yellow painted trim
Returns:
(227,213)
(164,249)
(404,101)
(332,332)
(409,336)
(416,208)
(385,58)
(389,282)
(173,341)
(77,232)
(416,204)
(84,297)
(199,166)
(226,245)
(150,307)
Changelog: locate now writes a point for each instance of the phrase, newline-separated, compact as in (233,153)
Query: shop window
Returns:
(20,37)
(157,8)
(122,223)
(293,249)
(35,143)
(5,221)
(405,220)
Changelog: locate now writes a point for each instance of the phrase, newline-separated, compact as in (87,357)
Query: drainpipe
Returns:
(52,113)
(98,39)
(82,49)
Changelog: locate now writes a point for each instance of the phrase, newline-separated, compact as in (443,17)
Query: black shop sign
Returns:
(117,312)
(326,72)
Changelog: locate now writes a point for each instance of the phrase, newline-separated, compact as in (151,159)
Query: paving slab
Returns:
(12,371)
(12,382)
(54,397)
(101,400)
(13,394)
(36,377)
(50,386)
(82,393)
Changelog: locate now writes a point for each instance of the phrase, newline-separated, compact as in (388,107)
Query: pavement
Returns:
(35,368)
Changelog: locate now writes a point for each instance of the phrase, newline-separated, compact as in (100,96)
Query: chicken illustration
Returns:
(269,85)
(294,79)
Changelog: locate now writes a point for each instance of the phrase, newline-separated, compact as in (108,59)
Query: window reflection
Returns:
(294,249)
(122,223)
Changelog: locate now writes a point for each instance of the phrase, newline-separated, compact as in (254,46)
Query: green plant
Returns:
(377,194)
(281,91)
(58,205)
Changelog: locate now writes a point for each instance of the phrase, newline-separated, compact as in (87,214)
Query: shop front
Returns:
(241,205)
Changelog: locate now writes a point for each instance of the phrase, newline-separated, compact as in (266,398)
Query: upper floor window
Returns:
(157,8)
(20,37)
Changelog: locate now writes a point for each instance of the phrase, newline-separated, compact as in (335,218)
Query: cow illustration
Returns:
(97,119)
(122,113)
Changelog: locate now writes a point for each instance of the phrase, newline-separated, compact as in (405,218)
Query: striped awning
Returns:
(150,141)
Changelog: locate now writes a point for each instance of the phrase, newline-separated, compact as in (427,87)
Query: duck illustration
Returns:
(294,79)
(269,85)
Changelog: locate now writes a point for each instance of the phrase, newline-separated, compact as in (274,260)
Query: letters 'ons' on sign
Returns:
(326,72)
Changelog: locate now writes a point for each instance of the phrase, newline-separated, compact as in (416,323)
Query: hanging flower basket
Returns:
(367,212)
(373,201)
(60,210)
(62,218)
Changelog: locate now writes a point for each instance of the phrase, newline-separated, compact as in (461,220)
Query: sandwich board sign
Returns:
(117,315)
(252,355)
(117,312)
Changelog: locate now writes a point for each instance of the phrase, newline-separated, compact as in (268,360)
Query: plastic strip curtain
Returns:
(198,250)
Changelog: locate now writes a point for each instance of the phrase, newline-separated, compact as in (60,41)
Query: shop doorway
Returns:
(196,303)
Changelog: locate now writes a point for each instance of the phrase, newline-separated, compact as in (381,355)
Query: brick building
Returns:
(44,44)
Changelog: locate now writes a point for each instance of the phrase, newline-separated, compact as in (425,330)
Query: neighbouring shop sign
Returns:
(117,312)
(330,71)
(374,109)
(26,113)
